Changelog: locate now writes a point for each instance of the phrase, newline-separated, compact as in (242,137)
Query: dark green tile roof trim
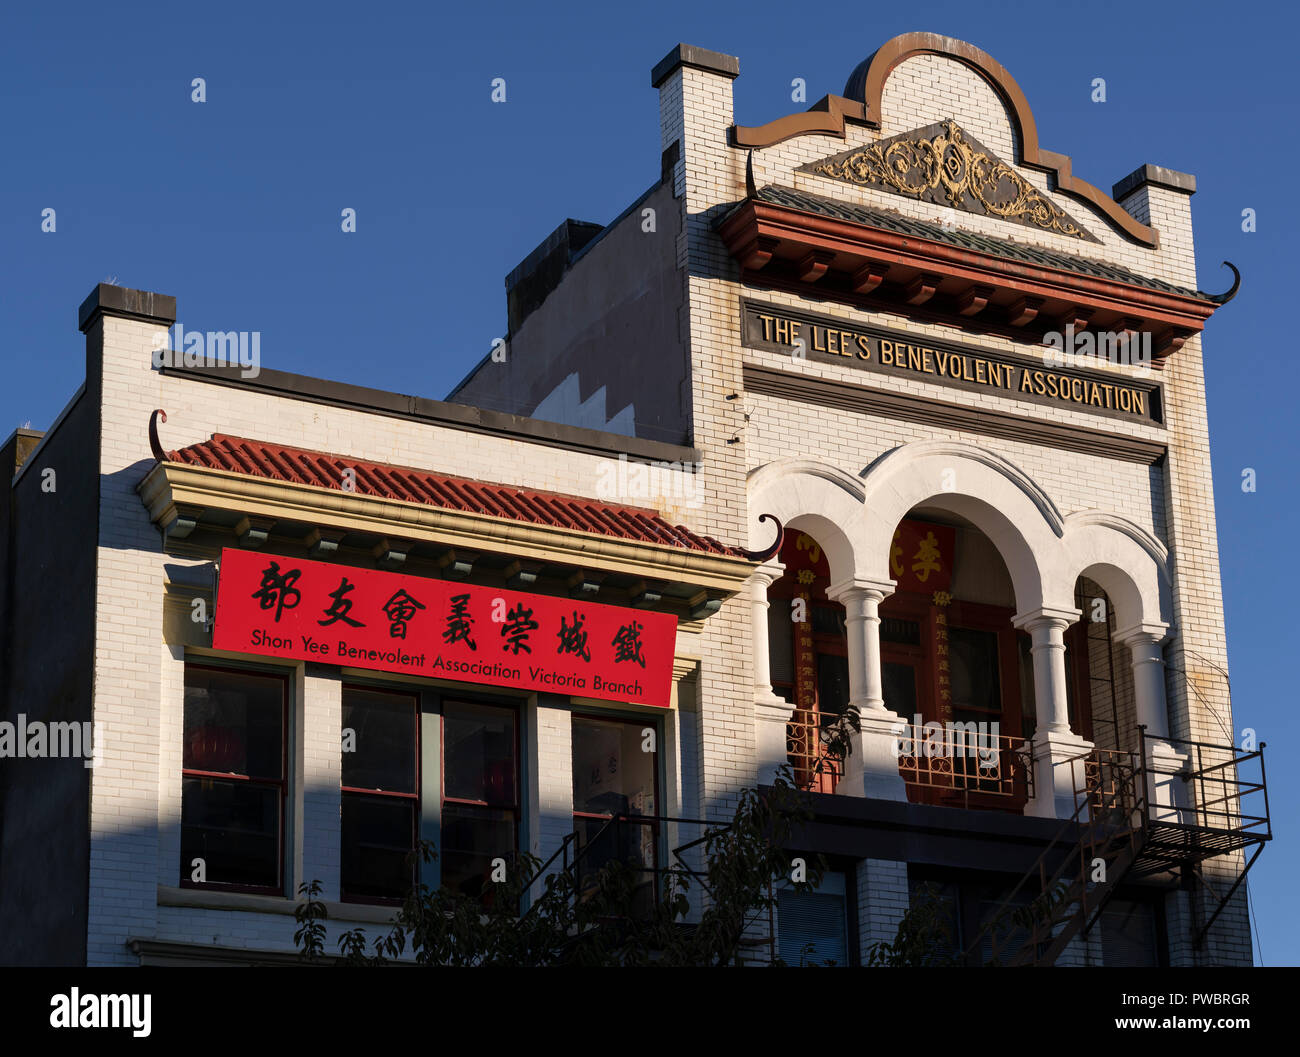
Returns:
(888,220)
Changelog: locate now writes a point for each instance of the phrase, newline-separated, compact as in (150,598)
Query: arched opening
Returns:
(958,671)
(1108,674)
(808,657)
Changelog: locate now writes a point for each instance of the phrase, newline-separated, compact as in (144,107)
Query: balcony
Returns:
(953,766)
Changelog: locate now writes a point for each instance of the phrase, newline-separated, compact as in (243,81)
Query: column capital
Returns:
(859,586)
(1143,633)
(1046,617)
(768,573)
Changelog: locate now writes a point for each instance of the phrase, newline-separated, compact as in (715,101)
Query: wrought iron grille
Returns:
(807,742)
(966,761)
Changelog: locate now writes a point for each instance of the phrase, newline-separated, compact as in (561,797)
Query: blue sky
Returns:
(233,205)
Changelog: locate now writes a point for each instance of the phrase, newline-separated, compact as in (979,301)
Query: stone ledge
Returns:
(1156,175)
(206,899)
(109,300)
(698,58)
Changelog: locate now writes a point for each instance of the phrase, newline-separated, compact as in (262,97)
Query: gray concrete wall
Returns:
(47,665)
(612,321)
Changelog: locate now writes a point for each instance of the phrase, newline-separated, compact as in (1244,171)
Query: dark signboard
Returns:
(826,339)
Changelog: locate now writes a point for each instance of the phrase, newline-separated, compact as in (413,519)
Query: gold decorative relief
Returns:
(944,165)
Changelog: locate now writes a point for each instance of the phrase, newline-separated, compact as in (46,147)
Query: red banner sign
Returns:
(333,614)
(920,556)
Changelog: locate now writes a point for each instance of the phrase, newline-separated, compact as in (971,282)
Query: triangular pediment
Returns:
(944,165)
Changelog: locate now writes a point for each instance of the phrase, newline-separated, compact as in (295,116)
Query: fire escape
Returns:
(1123,830)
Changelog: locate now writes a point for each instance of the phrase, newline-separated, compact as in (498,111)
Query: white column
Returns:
(1046,627)
(759,581)
(872,767)
(771,712)
(1143,640)
(1055,746)
(1167,793)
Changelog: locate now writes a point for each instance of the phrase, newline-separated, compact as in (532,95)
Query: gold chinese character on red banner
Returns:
(926,559)
(806,543)
(921,556)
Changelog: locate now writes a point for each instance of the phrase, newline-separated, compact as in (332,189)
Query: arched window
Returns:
(809,661)
(957,670)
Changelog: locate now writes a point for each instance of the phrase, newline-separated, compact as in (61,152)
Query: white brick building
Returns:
(848,319)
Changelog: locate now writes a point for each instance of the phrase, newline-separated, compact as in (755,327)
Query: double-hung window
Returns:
(381,801)
(480,793)
(233,779)
(615,798)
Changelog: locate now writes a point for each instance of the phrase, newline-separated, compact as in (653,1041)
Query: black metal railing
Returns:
(969,763)
(1212,810)
(1228,787)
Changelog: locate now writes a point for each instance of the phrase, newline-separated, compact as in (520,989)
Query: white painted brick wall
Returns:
(551,776)
(883,900)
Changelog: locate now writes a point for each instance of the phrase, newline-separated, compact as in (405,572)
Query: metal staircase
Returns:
(1123,830)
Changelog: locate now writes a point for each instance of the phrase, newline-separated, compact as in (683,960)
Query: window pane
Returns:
(898,682)
(602,841)
(1028,695)
(612,774)
(383,756)
(780,642)
(378,837)
(1128,934)
(940,904)
(479,753)
(828,620)
(234,827)
(631,843)
(1008,935)
(234,723)
(472,837)
(832,686)
(975,687)
(812,926)
(903,632)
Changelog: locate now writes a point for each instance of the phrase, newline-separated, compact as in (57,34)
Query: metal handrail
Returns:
(713,828)
(1118,829)
(1217,794)
(1011,775)
(1090,798)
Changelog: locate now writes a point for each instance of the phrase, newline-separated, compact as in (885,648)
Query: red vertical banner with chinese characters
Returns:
(806,565)
(942,664)
(275,606)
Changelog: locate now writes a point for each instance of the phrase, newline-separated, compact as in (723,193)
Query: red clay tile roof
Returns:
(300,466)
